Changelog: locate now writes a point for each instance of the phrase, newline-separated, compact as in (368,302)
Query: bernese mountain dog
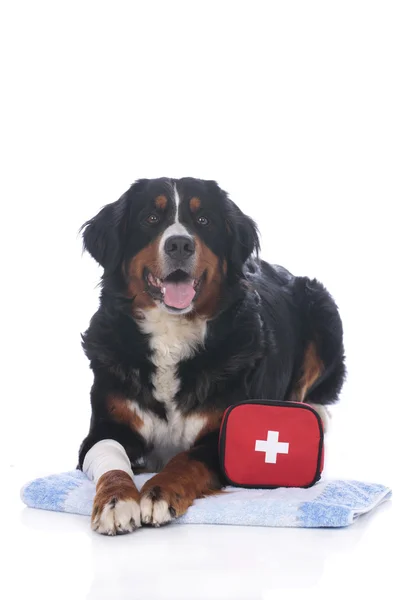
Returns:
(190,322)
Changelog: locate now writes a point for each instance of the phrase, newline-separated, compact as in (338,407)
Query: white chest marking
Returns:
(171,339)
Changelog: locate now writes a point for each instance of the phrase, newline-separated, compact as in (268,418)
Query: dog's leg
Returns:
(187,476)
(116,504)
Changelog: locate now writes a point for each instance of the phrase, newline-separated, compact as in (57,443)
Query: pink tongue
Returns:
(178,295)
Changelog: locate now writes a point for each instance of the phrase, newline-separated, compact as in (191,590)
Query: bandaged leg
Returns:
(116,504)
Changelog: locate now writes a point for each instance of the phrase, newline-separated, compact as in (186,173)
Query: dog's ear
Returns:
(243,237)
(103,236)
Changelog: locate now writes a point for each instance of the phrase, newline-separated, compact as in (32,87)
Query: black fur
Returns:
(256,340)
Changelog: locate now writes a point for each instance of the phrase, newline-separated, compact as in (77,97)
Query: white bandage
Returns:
(107,455)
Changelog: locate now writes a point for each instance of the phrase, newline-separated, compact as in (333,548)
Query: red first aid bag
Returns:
(265,444)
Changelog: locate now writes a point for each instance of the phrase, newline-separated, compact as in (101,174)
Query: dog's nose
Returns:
(179,247)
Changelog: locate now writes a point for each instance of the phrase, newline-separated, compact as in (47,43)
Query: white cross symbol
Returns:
(272,447)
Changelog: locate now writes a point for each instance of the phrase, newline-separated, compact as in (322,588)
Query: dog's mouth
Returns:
(177,291)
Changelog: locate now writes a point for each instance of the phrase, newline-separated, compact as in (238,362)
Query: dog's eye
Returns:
(202,220)
(153,219)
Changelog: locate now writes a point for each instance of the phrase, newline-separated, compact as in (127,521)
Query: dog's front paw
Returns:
(161,504)
(116,504)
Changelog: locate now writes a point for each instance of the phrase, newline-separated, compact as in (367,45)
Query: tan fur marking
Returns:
(113,486)
(122,413)
(312,369)
(207,261)
(180,482)
(148,257)
(213,422)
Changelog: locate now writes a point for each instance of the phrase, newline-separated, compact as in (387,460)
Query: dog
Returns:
(190,322)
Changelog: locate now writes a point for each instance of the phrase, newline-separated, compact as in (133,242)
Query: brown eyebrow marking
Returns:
(161,202)
(195,204)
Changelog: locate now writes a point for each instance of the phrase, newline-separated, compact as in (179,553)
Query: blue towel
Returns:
(327,504)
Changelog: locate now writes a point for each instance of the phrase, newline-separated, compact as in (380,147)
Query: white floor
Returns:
(56,555)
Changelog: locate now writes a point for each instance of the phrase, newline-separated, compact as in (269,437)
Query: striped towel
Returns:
(326,504)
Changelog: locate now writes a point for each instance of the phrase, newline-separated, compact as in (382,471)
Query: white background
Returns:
(294,108)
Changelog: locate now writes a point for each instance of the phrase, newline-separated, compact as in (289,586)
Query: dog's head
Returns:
(176,242)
